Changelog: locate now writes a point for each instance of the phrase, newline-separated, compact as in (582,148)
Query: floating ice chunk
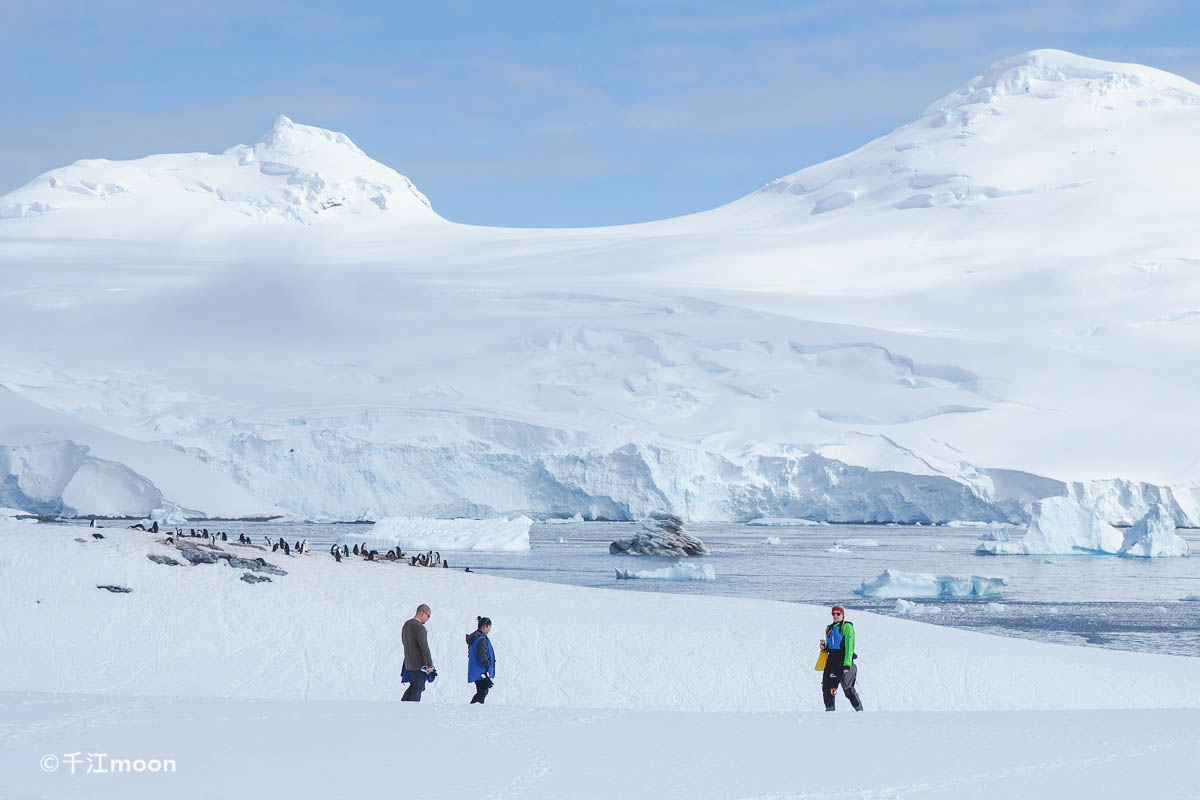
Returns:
(562,540)
(916,609)
(782,522)
(683,571)
(423,533)
(1153,536)
(994,608)
(857,542)
(837,548)
(1060,525)
(568,521)
(967,523)
(1000,549)
(937,548)
(891,583)
(772,540)
(1191,598)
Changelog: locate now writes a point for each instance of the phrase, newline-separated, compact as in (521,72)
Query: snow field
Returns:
(331,631)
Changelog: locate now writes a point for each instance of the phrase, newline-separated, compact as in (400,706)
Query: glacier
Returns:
(288,328)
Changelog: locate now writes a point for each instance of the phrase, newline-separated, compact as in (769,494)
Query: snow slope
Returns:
(329,631)
(990,305)
(290,687)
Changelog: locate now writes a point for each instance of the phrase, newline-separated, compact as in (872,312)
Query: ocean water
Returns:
(1105,601)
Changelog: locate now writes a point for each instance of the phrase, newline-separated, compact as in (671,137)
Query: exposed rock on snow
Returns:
(166,561)
(1154,536)
(1060,525)
(891,583)
(660,535)
(115,589)
(682,571)
(250,577)
(421,533)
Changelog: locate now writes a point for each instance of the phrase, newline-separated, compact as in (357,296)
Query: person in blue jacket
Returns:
(481,660)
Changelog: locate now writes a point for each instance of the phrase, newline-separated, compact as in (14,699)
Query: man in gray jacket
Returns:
(418,663)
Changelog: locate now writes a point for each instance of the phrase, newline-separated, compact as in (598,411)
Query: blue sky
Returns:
(532,113)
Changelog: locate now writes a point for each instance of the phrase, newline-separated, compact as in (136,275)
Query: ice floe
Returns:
(683,571)
(422,533)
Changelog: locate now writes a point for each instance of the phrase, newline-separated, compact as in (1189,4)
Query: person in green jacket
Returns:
(840,669)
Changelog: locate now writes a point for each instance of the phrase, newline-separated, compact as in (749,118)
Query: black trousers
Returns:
(481,689)
(416,685)
(834,677)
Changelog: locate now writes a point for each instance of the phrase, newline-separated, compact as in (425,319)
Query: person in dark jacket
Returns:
(840,669)
(418,662)
(481,660)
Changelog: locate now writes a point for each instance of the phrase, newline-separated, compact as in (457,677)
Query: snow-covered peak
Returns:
(1047,74)
(1045,132)
(295,172)
(292,139)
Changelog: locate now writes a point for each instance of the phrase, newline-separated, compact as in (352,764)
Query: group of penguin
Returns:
(216,536)
(301,547)
(431,558)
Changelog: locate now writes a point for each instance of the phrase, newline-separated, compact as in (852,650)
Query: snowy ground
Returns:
(291,687)
(382,749)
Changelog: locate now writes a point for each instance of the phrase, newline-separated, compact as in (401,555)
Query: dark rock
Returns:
(255,565)
(164,560)
(250,577)
(196,556)
(115,589)
(660,535)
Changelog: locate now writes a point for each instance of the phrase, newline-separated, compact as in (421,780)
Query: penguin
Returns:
(346,550)
(170,540)
(412,561)
(224,538)
(191,531)
(337,555)
(92,524)
(355,549)
(154,527)
(205,532)
(437,557)
(97,535)
(371,556)
(445,565)
(267,539)
(466,569)
(138,527)
(287,550)
(275,547)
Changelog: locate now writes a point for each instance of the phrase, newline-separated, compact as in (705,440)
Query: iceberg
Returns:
(659,535)
(915,609)
(567,521)
(1061,526)
(1001,549)
(682,571)
(1154,536)
(891,583)
(997,535)
(772,540)
(422,533)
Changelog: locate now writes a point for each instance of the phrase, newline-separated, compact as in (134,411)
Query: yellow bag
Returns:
(821,661)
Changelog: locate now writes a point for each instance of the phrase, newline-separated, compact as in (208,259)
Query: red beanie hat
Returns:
(838,608)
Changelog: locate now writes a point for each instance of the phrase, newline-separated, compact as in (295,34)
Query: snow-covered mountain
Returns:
(296,173)
(994,303)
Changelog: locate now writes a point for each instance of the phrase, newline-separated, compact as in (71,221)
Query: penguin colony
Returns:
(430,558)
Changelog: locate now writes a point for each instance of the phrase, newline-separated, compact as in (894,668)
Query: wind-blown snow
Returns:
(891,583)
(329,347)
(417,534)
